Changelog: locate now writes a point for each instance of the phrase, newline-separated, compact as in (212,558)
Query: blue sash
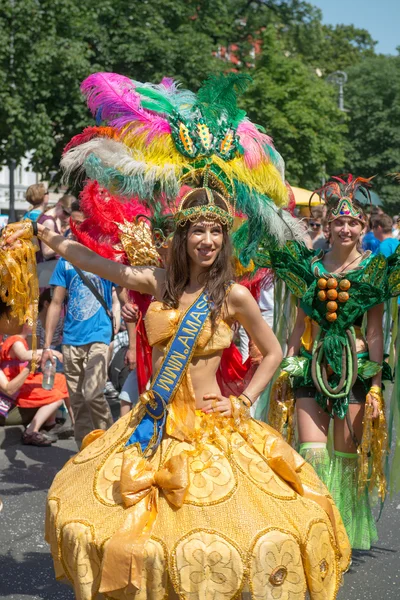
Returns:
(149,431)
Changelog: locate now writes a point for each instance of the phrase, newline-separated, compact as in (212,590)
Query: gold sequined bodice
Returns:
(161,324)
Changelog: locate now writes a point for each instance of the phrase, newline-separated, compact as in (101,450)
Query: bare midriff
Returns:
(202,371)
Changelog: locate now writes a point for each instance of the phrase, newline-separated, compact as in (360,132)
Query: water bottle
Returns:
(49,372)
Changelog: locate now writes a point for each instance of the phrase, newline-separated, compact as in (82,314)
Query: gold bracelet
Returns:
(375,388)
(376,392)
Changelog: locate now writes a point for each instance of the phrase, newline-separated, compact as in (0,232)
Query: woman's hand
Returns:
(48,354)
(255,355)
(216,403)
(16,231)
(130,312)
(375,406)
(130,358)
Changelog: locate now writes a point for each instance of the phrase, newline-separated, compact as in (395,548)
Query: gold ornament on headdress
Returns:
(19,287)
(340,195)
(209,211)
(346,208)
(138,244)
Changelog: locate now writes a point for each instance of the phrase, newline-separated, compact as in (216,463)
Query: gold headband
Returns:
(209,211)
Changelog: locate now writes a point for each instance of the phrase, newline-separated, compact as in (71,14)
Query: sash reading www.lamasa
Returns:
(148,432)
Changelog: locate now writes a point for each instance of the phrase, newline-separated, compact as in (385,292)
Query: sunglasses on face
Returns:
(313,224)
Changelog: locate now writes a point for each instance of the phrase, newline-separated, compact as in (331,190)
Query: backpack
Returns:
(118,371)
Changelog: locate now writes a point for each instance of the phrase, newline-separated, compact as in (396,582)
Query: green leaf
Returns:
(368,368)
(295,365)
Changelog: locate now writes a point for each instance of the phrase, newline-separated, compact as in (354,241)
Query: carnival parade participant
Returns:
(336,370)
(186,495)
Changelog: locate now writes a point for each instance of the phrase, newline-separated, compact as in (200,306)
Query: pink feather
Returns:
(168,83)
(253,142)
(113,96)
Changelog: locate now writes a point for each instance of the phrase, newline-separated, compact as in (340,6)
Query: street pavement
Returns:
(26,570)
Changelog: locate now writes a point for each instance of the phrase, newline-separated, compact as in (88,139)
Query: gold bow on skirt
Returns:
(140,486)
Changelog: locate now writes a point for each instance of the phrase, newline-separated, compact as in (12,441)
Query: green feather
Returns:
(218,95)
(160,103)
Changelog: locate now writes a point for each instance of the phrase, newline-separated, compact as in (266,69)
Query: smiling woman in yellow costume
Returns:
(187,496)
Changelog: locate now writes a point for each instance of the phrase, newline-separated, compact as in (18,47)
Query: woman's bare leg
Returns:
(43,414)
(313,425)
(342,437)
(312,421)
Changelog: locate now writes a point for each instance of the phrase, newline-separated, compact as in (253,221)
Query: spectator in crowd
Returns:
(323,243)
(15,357)
(369,241)
(8,394)
(129,393)
(87,335)
(38,196)
(382,229)
(56,219)
(77,216)
(44,303)
(315,225)
(9,324)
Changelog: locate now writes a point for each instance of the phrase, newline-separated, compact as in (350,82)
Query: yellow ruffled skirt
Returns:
(234,510)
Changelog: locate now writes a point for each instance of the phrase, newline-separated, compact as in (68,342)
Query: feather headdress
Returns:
(340,197)
(115,229)
(152,139)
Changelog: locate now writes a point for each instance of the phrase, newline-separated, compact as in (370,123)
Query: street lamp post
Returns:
(11,170)
(339,78)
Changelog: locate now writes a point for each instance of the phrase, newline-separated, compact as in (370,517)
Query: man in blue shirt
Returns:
(382,228)
(86,339)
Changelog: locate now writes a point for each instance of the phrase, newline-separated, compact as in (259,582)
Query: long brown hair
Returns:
(217,278)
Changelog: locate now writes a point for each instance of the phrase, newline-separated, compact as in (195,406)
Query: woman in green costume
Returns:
(334,361)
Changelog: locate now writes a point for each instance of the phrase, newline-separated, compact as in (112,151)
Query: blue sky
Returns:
(380,17)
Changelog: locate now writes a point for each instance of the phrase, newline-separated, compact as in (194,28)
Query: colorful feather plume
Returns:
(344,186)
(107,218)
(151,139)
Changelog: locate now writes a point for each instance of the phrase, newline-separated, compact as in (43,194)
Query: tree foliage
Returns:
(48,47)
(300,111)
(373,97)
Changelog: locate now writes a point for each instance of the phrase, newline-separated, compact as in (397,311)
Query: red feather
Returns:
(89,133)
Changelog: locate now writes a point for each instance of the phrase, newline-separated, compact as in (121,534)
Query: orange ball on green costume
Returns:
(343,296)
(331,317)
(331,294)
(344,284)
(322,295)
(332,283)
(332,306)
